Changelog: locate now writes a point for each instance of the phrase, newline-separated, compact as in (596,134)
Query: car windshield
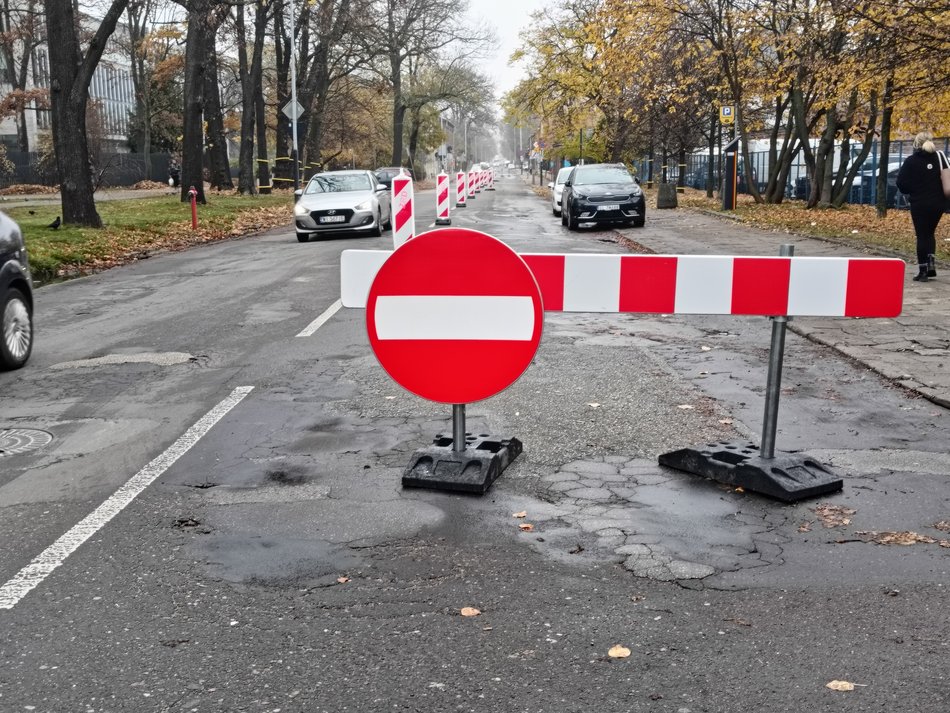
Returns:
(338,184)
(602,174)
(562,176)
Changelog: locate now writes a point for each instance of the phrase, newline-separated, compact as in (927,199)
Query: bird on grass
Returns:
(55,224)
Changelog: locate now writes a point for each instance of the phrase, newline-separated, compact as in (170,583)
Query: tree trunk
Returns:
(399,111)
(217,142)
(283,169)
(885,147)
(192,144)
(70,75)
(264,180)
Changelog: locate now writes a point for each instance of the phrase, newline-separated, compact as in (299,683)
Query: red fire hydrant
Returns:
(194,207)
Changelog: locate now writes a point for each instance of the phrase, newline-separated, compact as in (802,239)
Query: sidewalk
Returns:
(912,350)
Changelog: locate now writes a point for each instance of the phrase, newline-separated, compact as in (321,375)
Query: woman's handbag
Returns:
(944,165)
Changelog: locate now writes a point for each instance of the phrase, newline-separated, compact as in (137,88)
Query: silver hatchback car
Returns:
(342,201)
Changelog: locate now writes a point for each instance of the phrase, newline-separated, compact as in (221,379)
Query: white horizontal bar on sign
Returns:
(358,269)
(455,317)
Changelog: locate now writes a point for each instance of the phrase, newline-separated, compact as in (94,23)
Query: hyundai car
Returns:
(602,194)
(16,297)
(342,201)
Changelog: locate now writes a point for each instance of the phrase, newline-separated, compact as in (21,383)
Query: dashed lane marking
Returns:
(321,320)
(54,555)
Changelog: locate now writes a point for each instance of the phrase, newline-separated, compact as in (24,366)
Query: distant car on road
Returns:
(385,175)
(342,201)
(602,194)
(557,188)
(16,297)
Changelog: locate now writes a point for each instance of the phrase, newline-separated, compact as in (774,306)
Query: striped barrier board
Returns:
(460,190)
(402,208)
(690,284)
(442,200)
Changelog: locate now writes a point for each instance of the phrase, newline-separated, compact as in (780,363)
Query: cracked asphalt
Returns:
(279,565)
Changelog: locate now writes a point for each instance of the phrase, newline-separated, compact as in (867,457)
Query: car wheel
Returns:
(378,230)
(16,330)
(303,237)
(639,222)
(388,225)
(571,223)
(563,217)
(555,211)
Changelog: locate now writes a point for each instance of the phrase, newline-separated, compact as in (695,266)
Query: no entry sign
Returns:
(454,316)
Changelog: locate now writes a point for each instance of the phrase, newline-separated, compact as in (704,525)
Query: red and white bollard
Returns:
(193,192)
(490,175)
(471,184)
(404,219)
(460,190)
(442,200)
(479,177)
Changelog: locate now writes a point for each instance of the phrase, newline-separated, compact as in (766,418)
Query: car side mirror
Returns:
(298,193)
(636,179)
(567,183)
(551,186)
(381,187)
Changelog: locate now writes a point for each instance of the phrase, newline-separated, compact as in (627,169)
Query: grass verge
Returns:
(139,227)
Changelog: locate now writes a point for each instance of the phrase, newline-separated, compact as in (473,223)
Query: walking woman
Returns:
(919,180)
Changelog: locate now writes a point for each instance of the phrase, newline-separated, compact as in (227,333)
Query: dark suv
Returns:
(16,297)
(602,194)
(386,175)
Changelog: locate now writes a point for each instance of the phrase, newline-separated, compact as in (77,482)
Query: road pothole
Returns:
(14,441)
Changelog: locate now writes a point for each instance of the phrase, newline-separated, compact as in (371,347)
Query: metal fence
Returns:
(798,185)
(118,169)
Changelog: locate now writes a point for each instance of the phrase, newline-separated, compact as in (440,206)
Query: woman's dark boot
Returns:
(931,266)
(921,275)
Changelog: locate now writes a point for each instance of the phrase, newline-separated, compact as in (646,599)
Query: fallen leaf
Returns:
(618,652)
(805,527)
(526,527)
(705,348)
(470,611)
(523,513)
(896,538)
(594,405)
(686,407)
(943,526)
(840,685)
(834,515)
(342,580)
(944,543)
(725,421)
(740,489)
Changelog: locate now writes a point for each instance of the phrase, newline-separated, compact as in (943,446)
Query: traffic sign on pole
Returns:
(454,316)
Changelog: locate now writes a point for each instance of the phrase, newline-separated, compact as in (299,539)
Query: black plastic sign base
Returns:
(439,467)
(788,476)
(443,221)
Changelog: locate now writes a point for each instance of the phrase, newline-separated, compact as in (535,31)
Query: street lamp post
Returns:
(293,99)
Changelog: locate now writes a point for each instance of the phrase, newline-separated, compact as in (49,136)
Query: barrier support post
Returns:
(458,428)
(773,389)
(194,207)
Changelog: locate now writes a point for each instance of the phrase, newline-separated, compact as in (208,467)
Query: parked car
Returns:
(557,188)
(342,201)
(602,194)
(16,297)
(863,187)
(385,175)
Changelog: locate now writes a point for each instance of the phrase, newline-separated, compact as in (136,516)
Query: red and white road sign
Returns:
(403,212)
(460,190)
(691,284)
(442,200)
(454,316)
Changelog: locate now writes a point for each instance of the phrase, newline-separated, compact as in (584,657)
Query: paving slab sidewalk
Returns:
(912,350)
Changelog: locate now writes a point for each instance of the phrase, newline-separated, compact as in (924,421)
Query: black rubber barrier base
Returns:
(788,476)
(439,467)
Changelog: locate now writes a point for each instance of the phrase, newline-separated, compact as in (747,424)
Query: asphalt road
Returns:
(267,559)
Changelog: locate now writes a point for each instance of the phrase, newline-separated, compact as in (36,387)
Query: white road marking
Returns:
(454,317)
(54,555)
(321,320)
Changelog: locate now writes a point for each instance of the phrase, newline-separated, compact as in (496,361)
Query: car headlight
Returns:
(636,191)
(300,210)
(580,196)
(365,205)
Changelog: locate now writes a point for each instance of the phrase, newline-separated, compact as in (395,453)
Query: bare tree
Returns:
(19,36)
(71,71)
(251,88)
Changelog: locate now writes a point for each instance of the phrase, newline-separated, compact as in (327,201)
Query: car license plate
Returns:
(609,206)
(332,218)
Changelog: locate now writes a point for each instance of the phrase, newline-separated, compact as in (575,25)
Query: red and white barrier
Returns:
(690,284)
(491,179)
(460,189)
(404,219)
(442,200)
(471,184)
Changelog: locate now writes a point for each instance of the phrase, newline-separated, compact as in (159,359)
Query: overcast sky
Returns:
(508,18)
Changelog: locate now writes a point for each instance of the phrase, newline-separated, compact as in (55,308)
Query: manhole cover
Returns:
(21,440)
